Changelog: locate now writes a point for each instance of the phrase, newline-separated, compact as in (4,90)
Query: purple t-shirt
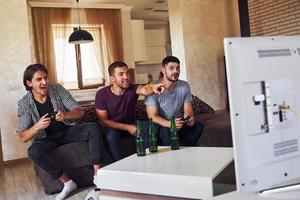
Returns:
(120,108)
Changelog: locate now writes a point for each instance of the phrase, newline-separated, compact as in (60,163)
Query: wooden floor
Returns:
(19,182)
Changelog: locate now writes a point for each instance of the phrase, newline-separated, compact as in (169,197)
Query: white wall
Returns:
(15,57)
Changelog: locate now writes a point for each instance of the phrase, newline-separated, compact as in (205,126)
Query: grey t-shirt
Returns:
(169,103)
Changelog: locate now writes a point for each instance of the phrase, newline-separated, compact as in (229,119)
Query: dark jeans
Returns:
(188,135)
(114,137)
(39,151)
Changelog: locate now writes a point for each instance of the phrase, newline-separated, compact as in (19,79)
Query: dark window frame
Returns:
(79,70)
(244,18)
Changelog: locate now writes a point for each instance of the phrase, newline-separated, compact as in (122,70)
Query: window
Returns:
(77,66)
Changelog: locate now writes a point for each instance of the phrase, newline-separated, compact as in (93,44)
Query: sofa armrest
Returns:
(216,130)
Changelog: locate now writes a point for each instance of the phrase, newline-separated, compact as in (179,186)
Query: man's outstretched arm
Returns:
(149,89)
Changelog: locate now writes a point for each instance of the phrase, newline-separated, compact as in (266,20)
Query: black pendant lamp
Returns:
(80,36)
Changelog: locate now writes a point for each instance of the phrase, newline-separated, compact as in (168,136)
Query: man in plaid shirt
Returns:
(47,115)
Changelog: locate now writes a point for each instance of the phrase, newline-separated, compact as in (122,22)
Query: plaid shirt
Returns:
(28,114)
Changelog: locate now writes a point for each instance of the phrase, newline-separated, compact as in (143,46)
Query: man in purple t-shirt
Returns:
(115,105)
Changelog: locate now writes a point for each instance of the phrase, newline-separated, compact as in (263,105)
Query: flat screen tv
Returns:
(263,76)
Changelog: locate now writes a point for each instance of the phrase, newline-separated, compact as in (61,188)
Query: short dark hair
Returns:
(114,65)
(30,71)
(169,59)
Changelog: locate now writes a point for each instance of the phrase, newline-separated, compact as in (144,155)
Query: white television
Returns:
(263,75)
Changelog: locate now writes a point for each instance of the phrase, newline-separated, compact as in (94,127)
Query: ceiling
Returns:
(141,9)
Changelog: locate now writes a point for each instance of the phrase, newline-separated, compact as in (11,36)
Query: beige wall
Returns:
(197,31)
(14,56)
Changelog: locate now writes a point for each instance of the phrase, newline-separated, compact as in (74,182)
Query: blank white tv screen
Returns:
(263,75)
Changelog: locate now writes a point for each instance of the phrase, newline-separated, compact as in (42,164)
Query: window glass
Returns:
(67,61)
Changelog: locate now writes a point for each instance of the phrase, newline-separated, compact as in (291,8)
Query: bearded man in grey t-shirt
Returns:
(176,97)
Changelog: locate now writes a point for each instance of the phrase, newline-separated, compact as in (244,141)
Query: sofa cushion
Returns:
(200,106)
(89,114)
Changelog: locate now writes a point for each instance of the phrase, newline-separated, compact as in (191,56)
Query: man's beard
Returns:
(172,80)
(121,85)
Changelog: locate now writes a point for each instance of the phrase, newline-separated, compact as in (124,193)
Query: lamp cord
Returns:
(78,13)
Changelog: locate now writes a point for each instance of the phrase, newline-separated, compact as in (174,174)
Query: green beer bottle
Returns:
(152,137)
(174,135)
(140,149)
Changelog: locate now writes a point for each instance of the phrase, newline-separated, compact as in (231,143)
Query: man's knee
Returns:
(198,128)
(94,129)
(164,136)
(164,131)
(90,130)
(196,133)
(112,135)
(34,153)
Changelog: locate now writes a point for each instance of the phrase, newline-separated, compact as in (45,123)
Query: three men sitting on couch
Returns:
(47,115)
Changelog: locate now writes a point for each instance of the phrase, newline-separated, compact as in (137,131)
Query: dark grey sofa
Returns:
(216,130)
(75,159)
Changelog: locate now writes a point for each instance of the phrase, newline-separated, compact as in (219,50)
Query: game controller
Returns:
(52,116)
(186,120)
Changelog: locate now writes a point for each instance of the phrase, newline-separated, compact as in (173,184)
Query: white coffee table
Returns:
(184,173)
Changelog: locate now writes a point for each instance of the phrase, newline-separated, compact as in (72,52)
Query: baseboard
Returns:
(15,161)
